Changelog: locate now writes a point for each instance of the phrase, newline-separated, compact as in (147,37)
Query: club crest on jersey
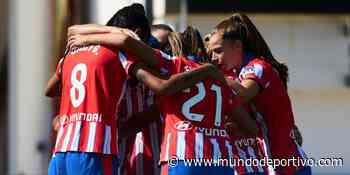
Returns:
(255,69)
(183,125)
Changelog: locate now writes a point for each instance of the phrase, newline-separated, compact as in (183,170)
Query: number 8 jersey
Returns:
(194,126)
(93,79)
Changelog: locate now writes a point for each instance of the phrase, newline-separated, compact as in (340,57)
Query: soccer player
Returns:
(95,80)
(245,148)
(263,82)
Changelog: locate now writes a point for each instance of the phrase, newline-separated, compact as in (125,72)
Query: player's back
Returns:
(194,125)
(92,85)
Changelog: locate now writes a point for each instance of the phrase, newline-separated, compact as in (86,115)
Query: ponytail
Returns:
(240,27)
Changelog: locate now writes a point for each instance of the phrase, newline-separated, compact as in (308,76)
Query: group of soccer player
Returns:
(134,97)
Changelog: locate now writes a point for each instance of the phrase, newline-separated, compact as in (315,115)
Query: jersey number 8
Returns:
(77,85)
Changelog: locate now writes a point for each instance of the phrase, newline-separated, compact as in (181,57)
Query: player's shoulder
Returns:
(164,56)
(258,62)
(256,66)
(184,64)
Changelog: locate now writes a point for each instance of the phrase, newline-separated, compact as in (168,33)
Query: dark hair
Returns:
(193,43)
(161,27)
(240,27)
(132,17)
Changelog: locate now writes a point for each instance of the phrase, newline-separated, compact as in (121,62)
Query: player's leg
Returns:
(57,164)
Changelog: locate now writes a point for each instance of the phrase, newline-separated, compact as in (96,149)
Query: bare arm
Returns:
(123,41)
(244,121)
(163,86)
(247,89)
(86,29)
(53,87)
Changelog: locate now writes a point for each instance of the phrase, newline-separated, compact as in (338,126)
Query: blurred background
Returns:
(312,37)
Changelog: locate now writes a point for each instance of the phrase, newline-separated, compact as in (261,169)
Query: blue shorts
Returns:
(78,163)
(181,169)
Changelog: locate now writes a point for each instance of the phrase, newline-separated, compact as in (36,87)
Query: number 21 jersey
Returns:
(194,126)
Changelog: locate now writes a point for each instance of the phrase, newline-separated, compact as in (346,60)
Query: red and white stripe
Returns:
(141,151)
(176,144)
(83,136)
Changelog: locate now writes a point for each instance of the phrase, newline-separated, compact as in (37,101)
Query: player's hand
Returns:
(77,41)
(130,33)
(216,74)
(56,123)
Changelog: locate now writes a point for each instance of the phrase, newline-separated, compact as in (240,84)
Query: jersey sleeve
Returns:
(257,71)
(166,63)
(127,60)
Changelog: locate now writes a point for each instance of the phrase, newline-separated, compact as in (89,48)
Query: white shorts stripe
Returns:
(199,145)
(181,145)
(92,135)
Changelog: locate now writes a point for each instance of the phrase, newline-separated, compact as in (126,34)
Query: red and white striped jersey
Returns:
(246,147)
(139,153)
(275,110)
(93,83)
(193,117)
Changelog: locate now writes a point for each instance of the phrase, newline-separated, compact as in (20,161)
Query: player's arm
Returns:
(177,82)
(84,29)
(244,122)
(117,37)
(247,89)
(53,87)
(121,40)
